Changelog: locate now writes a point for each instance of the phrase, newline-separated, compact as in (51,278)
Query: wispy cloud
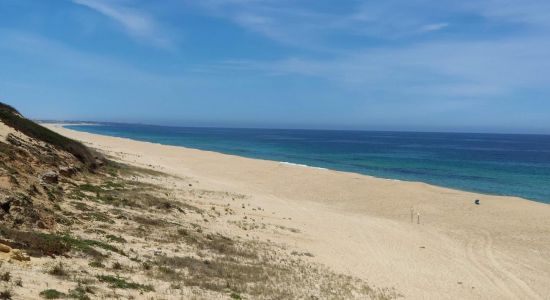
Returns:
(295,23)
(81,66)
(447,71)
(434,27)
(137,23)
(471,65)
(82,80)
(528,12)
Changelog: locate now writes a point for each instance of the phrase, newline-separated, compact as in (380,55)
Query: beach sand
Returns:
(361,225)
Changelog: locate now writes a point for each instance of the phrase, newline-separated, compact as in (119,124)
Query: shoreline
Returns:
(360,224)
(473,191)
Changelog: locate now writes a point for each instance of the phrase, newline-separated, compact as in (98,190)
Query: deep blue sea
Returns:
(500,164)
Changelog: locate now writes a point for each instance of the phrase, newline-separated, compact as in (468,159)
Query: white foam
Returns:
(396,180)
(300,165)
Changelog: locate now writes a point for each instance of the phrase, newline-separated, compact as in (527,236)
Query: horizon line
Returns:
(87,123)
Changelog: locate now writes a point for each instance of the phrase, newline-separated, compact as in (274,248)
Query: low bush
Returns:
(42,244)
(52,294)
(121,283)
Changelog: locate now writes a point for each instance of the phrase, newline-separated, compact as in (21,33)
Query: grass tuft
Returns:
(121,283)
(44,244)
(52,294)
(58,270)
(6,294)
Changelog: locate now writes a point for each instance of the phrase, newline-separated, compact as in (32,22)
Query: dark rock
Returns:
(13,179)
(5,205)
(50,177)
(33,190)
(12,139)
(99,163)
(68,171)
(17,210)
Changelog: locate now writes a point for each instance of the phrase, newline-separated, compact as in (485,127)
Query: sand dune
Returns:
(362,226)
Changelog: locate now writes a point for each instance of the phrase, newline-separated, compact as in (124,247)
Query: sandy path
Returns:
(361,225)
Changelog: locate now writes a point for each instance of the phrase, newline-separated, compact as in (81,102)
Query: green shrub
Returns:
(96,264)
(121,283)
(58,270)
(6,276)
(80,292)
(43,244)
(115,238)
(52,294)
(6,295)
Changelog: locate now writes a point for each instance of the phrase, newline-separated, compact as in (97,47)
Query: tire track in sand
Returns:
(525,289)
(480,254)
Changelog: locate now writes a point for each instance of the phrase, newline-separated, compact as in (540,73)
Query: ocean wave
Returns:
(300,165)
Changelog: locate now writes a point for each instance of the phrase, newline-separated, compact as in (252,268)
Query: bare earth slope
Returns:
(362,226)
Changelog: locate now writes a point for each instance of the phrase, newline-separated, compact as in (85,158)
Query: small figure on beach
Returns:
(476,202)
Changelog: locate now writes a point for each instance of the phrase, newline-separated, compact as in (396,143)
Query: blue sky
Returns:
(430,65)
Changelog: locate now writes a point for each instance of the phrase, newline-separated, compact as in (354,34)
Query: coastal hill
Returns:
(33,159)
(80,226)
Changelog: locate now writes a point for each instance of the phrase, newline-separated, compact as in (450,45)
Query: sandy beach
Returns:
(361,225)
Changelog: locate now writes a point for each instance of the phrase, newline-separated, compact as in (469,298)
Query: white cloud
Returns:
(80,65)
(436,70)
(474,66)
(299,23)
(137,23)
(434,27)
(286,22)
(530,12)
(302,25)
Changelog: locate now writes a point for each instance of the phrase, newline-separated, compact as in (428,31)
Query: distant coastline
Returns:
(68,123)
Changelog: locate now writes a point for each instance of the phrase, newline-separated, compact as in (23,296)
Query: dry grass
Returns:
(264,277)
(44,244)
(58,270)
(194,257)
(122,283)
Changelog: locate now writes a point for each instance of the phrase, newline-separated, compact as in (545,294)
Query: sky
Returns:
(422,65)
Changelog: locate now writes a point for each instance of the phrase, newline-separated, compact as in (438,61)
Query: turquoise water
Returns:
(500,164)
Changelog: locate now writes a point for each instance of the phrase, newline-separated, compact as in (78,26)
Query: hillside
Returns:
(33,161)
(74,225)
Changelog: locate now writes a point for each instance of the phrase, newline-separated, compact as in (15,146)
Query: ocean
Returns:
(498,164)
